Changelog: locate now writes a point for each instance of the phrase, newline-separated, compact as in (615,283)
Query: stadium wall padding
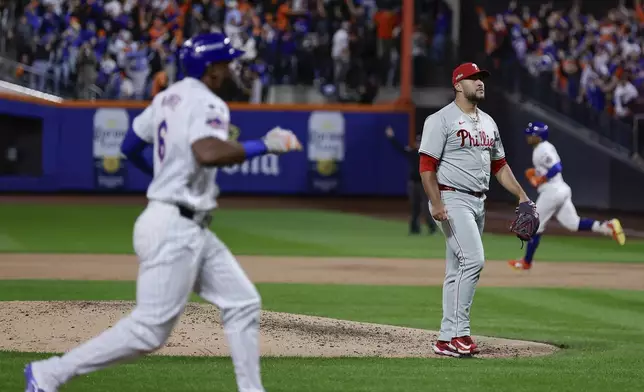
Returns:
(345,151)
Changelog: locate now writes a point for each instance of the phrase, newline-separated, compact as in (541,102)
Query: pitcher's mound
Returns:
(57,326)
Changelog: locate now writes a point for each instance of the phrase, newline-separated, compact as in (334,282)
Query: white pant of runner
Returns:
(177,257)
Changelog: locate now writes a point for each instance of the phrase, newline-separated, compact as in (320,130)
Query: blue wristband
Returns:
(254,148)
(554,170)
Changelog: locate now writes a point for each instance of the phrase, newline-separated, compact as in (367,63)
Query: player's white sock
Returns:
(602,227)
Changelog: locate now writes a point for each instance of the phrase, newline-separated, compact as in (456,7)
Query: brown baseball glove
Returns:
(526,222)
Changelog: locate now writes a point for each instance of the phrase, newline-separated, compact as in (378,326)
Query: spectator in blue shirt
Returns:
(439,40)
(61,66)
(50,22)
(288,60)
(33,19)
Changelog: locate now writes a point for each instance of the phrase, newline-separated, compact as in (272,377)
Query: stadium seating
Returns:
(120,49)
(594,60)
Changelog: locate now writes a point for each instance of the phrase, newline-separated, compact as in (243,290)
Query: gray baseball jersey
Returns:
(464,147)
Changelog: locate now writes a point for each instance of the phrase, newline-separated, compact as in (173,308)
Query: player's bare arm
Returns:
(214,148)
(212,151)
(217,152)
(506,178)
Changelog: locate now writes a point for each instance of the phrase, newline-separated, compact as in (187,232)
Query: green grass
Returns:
(108,229)
(603,331)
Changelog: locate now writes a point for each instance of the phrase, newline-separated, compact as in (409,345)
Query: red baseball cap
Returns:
(467,70)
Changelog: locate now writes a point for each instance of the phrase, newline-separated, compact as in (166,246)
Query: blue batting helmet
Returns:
(537,128)
(199,52)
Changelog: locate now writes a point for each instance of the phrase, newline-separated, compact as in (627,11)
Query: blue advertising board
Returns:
(345,153)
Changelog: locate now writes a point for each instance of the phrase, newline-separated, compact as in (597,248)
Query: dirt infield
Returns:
(58,326)
(200,333)
(376,271)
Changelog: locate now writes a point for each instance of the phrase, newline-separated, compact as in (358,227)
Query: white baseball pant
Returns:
(176,257)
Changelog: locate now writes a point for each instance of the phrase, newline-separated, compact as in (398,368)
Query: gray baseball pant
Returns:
(463,261)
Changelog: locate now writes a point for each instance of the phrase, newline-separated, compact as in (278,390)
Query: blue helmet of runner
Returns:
(197,53)
(537,128)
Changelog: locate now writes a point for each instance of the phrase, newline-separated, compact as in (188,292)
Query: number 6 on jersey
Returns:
(161,132)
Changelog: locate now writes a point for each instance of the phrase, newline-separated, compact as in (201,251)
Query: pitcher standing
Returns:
(460,148)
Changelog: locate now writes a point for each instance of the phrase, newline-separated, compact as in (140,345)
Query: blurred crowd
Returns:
(127,49)
(597,60)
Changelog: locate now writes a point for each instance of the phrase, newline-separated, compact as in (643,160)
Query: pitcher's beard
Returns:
(474,98)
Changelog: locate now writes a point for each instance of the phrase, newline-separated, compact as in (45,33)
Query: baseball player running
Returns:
(555,196)
(459,149)
(187,126)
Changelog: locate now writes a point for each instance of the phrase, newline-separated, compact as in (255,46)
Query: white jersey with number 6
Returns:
(187,111)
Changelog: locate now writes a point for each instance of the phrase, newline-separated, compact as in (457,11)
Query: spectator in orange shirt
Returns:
(244,7)
(157,30)
(639,11)
(386,21)
(283,14)
(171,14)
(487,22)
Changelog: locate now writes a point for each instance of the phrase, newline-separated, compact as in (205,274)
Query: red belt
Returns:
(449,188)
